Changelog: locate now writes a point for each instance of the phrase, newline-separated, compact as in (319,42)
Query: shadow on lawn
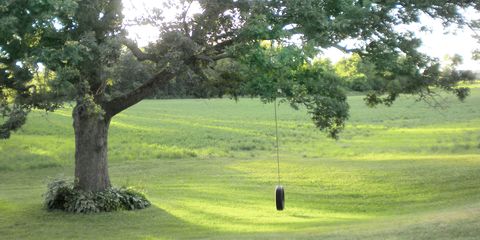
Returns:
(150,223)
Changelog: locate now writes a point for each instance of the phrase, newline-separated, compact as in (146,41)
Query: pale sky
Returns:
(438,43)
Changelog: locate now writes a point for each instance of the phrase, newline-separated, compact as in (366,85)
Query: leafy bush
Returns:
(62,195)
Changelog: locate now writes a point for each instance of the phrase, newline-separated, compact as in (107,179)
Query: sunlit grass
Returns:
(209,168)
(470,84)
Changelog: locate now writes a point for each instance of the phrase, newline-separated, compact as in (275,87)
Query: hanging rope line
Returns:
(279,191)
(276,138)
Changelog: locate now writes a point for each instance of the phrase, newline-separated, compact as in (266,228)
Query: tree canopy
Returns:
(475,26)
(51,50)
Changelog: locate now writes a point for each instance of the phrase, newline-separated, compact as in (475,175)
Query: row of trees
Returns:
(360,75)
(353,73)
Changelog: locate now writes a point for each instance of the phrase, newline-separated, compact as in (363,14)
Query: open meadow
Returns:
(209,169)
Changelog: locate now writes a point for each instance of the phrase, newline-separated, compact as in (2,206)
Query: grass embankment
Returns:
(405,172)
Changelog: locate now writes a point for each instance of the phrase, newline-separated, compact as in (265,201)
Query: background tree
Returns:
(220,50)
(361,75)
(358,74)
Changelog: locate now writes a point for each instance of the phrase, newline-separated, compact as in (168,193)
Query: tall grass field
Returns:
(409,171)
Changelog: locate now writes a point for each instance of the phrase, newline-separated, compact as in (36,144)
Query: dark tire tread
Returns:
(280,197)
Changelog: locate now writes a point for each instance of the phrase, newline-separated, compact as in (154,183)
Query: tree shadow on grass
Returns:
(34,222)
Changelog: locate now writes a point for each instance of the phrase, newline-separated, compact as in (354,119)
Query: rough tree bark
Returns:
(91,135)
(91,122)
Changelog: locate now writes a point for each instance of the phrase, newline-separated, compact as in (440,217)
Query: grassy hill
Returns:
(208,166)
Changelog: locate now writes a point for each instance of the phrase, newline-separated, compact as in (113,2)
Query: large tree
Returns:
(55,50)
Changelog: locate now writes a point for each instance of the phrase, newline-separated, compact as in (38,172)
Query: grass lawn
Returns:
(208,166)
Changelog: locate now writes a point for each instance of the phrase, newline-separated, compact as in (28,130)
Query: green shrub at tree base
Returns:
(62,195)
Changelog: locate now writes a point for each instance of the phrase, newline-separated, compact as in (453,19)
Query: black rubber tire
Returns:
(280,197)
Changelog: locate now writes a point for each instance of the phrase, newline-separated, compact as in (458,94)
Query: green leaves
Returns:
(276,71)
(17,116)
(73,40)
(231,47)
(62,195)
(323,97)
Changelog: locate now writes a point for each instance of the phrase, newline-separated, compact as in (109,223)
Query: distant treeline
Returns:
(353,72)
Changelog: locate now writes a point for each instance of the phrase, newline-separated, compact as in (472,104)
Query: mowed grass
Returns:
(208,166)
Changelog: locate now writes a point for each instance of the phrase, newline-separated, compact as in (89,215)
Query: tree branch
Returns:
(221,56)
(222,45)
(343,49)
(214,58)
(148,88)
(474,29)
(185,25)
(137,52)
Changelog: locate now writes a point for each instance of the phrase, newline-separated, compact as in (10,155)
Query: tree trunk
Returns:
(91,134)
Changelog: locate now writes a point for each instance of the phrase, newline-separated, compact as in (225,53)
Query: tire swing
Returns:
(279,190)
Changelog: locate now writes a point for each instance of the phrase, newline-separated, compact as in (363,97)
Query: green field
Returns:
(405,172)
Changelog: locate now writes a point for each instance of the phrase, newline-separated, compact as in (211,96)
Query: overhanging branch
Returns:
(147,89)
(214,58)
(343,49)
(136,51)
